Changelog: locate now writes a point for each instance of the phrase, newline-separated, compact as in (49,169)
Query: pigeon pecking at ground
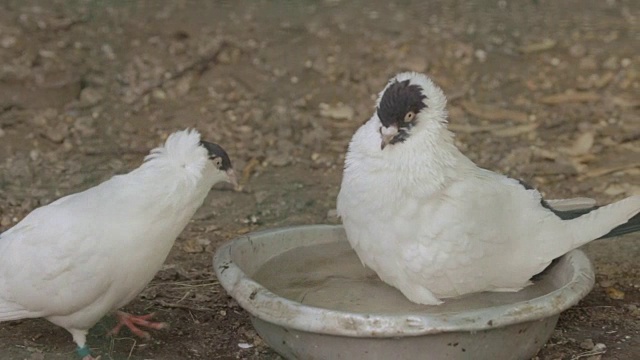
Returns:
(90,253)
(433,224)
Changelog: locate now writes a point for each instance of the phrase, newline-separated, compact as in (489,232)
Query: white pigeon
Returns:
(90,253)
(434,225)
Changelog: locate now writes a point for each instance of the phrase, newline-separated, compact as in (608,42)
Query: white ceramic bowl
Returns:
(310,298)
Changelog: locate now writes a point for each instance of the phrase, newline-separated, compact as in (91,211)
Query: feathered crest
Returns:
(399,98)
(435,99)
(181,149)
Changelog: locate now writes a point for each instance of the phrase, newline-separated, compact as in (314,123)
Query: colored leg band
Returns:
(83,351)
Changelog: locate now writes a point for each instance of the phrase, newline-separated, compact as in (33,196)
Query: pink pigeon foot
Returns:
(133,321)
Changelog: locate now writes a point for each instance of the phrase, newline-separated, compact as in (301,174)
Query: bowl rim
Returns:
(270,307)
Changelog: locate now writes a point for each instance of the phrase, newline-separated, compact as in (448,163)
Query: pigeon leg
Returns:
(133,321)
(80,338)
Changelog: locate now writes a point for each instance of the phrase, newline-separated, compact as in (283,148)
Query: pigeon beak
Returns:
(231,177)
(387,134)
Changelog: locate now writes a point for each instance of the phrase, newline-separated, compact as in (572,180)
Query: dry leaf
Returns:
(243,230)
(582,144)
(614,293)
(578,165)
(489,112)
(466,128)
(544,153)
(609,170)
(515,130)
(614,190)
(192,246)
(545,44)
(625,102)
(338,112)
(248,170)
(603,80)
(570,97)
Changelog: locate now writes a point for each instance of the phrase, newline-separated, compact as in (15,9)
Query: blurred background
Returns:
(545,91)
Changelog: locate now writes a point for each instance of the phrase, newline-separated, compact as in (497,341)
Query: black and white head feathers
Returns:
(409,100)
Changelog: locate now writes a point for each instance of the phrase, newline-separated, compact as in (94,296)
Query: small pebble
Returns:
(90,96)
(57,133)
(34,154)
(599,347)
(578,50)
(8,41)
(108,52)
(587,344)
(587,63)
(607,283)
(611,63)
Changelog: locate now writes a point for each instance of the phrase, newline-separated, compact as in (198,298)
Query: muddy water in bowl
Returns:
(331,276)
(310,298)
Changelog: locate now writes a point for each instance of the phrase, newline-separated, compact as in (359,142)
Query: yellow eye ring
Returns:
(409,116)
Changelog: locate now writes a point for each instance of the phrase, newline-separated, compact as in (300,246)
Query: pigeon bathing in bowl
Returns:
(90,253)
(434,225)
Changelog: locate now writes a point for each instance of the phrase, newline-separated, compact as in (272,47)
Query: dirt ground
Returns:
(542,90)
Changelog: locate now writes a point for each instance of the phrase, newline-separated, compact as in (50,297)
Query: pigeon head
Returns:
(196,160)
(220,160)
(408,100)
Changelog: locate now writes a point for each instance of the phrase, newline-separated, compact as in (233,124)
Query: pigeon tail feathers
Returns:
(611,220)
(630,226)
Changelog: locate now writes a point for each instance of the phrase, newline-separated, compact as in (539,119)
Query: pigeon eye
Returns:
(217,161)
(409,116)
